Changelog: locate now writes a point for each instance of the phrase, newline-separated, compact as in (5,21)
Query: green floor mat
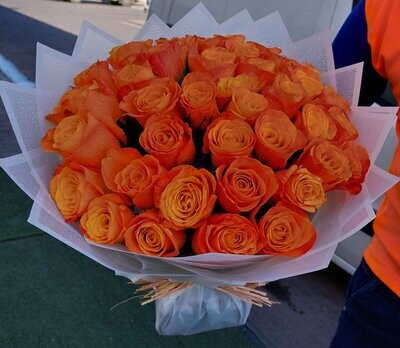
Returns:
(52,296)
(15,206)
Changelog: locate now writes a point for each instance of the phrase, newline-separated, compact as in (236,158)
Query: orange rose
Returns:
(246,49)
(147,234)
(198,99)
(105,109)
(208,42)
(329,98)
(168,59)
(311,86)
(185,195)
(245,185)
(66,137)
(286,232)
(107,219)
(267,65)
(132,76)
(258,68)
(99,73)
(160,96)
(249,81)
(226,86)
(226,233)
(313,122)
(128,53)
(126,171)
(284,94)
(86,142)
(216,56)
(90,100)
(301,188)
(345,129)
(327,161)
(359,163)
(247,105)
(169,139)
(228,139)
(72,188)
(216,61)
(277,139)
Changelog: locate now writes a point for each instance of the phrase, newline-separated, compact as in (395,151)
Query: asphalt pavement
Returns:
(309,305)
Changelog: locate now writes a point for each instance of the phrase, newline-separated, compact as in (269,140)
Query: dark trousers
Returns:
(371,314)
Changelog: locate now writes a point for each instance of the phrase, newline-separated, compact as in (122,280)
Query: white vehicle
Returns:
(302,18)
(145,3)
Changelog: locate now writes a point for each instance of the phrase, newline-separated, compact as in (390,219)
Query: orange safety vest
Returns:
(383,253)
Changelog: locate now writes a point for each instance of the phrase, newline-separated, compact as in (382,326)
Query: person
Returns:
(371,313)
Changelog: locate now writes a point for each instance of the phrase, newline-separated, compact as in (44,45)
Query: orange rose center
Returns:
(278,134)
(252,103)
(69,133)
(335,163)
(198,94)
(68,194)
(231,136)
(154,99)
(165,137)
(133,178)
(218,55)
(185,201)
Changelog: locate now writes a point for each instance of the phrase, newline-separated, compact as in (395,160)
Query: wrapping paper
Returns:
(340,217)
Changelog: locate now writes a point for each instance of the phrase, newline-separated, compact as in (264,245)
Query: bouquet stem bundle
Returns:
(162,288)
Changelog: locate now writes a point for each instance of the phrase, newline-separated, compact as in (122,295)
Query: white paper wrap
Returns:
(199,309)
(340,217)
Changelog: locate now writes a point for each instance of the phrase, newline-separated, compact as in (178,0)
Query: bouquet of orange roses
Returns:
(206,159)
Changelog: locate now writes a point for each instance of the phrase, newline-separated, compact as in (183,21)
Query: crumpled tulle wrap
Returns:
(199,308)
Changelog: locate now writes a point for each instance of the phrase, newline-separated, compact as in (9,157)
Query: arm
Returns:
(351,46)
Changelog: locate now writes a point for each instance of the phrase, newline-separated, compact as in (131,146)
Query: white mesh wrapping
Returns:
(315,50)
(93,44)
(153,29)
